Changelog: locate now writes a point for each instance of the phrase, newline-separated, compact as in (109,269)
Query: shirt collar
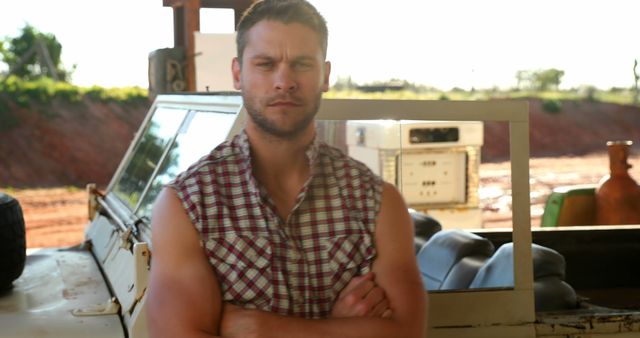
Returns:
(242,142)
(312,152)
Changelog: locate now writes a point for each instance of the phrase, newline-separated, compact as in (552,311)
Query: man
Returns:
(276,234)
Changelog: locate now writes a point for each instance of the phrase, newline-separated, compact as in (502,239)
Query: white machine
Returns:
(435,164)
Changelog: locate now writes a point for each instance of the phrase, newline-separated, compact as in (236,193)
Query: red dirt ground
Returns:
(54,217)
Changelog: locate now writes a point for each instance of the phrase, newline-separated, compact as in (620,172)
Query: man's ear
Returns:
(236,69)
(327,74)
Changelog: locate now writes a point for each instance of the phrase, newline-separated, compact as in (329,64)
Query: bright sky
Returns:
(442,43)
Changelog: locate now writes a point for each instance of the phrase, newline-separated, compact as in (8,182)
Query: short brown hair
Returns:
(285,11)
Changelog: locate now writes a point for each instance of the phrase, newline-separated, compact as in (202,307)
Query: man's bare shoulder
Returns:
(391,195)
(168,209)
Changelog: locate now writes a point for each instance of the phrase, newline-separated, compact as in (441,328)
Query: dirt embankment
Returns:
(65,144)
(579,128)
(72,144)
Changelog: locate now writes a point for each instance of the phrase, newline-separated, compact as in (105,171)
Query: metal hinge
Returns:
(92,194)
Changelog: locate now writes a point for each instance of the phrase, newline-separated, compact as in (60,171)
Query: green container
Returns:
(570,205)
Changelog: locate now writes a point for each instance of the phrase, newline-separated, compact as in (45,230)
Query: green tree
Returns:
(524,79)
(540,80)
(33,54)
(547,79)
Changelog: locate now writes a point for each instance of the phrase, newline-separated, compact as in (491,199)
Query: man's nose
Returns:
(285,79)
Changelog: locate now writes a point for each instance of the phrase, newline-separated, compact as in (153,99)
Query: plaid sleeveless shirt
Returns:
(296,266)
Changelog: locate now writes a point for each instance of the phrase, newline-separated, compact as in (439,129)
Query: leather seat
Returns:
(424,227)
(451,259)
(551,291)
(458,259)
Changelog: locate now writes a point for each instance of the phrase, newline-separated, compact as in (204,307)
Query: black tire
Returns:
(12,241)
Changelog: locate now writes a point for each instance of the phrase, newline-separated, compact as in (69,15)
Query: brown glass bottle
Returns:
(618,194)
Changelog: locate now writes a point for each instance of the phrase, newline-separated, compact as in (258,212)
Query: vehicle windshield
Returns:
(200,132)
(174,138)
(146,155)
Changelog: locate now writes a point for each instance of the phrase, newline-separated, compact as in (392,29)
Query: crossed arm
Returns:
(184,294)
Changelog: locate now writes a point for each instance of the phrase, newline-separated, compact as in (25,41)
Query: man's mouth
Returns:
(284,103)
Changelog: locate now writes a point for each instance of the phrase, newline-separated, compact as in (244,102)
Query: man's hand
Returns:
(361,298)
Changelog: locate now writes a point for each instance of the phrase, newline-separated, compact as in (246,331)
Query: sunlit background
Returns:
(440,43)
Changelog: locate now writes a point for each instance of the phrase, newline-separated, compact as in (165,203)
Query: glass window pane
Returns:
(200,133)
(146,155)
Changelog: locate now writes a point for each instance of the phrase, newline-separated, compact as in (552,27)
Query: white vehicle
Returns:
(480,286)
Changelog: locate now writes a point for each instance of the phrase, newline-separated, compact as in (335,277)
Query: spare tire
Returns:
(12,241)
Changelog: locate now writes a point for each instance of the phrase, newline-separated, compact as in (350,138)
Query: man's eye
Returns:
(264,64)
(303,65)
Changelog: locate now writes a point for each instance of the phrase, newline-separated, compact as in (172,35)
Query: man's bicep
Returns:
(184,295)
(395,266)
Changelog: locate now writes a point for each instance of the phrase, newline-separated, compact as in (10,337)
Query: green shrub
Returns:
(44,90)
(552,106)
(125,94)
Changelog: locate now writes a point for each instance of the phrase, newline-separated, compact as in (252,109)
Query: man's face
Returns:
(282,77)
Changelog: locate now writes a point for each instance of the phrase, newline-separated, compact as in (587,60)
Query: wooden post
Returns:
(186,21)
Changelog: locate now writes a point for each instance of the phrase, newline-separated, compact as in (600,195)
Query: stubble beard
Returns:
(271,127)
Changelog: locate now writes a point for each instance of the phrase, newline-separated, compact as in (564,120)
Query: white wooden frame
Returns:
(472,313)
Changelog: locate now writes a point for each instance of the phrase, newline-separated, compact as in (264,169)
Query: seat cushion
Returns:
(444,250)
(463,272)
(551,292)
(547,262)
(498,271)
(424,225)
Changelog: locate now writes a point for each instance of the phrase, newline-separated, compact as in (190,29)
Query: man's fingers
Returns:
(361,297)
(379,309)
(355,282)
(365,304)
(375,295)
(376,302)
(361,290)
(387,314)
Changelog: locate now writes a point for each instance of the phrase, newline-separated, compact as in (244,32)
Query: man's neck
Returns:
(280,165)
(276,159)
